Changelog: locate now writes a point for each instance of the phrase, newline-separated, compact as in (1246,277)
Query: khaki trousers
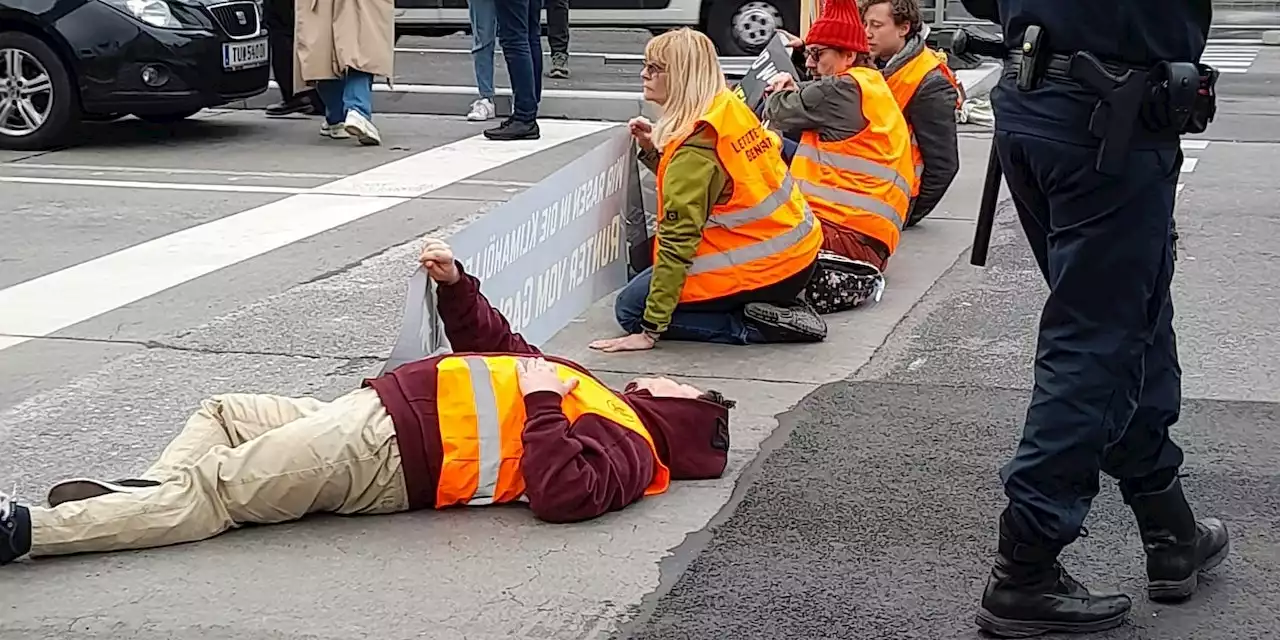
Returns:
(240,459)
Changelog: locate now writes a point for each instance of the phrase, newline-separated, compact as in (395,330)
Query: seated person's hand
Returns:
(536,374)
(642,130)
(793,42)
(437,259)
(781,82)
(633,342)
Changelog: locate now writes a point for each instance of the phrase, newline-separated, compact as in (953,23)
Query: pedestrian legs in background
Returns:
(348,107)
(484,36)
(1107,389)
(519,33)
(279,19)
(558,37)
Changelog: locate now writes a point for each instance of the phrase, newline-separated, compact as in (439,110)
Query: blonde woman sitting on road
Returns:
(736,244)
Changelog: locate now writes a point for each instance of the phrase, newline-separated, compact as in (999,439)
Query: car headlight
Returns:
(153,12)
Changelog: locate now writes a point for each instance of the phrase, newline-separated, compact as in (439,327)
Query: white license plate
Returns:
(242,55)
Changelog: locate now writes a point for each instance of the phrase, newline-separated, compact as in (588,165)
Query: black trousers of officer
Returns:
(1107,379)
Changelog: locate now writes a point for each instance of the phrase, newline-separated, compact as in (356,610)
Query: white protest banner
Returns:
(543,257)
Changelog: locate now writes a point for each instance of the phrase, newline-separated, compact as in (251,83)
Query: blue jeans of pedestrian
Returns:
(704,323)
(484,36)
(520,34)
(1107,380)
(352,91)
(789,147)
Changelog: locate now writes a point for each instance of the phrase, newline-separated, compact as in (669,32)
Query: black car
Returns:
(67,61)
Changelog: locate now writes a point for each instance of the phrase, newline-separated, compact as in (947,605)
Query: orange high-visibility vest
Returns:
(905,82)
(764,233)
(861,183)
(482,415)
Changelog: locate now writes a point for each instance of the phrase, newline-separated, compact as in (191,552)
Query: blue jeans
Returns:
(484,35)
(520,34)
(725,326)
(352,91)
(1107,381)
(789,147)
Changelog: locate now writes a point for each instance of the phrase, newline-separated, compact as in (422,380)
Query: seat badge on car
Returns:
(243,19)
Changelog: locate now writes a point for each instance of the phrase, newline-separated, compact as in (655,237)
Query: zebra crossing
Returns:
(1231,55)
(1189,161)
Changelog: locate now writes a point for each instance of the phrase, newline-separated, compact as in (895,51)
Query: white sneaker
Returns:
(364,131)
(336,131)
(481,110)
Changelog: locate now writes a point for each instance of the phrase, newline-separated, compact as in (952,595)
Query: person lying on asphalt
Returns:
(735,243)
(495,422)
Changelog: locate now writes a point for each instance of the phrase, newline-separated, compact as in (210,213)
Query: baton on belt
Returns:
(986,210)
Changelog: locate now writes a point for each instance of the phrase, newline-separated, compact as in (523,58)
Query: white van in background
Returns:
(738,27)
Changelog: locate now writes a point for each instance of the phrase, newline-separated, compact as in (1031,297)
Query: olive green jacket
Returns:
(694,182)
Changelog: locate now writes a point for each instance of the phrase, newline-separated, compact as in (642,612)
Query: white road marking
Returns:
(47,304)
(165,186)
(1189,164)
(1230,58)
(90,168)
(455,89)
(1194,145)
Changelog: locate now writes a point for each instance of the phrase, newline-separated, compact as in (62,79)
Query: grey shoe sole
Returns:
(85,488)
(1007,628)
(803,325)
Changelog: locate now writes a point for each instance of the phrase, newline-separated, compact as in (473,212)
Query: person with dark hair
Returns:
(926,90)
(279,20)
(497,421)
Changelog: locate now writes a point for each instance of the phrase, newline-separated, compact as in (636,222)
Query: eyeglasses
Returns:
(813,53)
(652,68)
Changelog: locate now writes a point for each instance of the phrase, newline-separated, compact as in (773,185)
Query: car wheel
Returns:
(39,108)
(744,27)
(167,118)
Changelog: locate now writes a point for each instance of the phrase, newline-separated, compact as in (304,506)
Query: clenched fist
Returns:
(437,259)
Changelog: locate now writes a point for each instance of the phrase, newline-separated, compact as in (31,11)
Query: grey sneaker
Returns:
(798,322)
(559,66)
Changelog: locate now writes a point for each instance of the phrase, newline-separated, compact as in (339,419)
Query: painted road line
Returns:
(163,186)
(1230,58)
(1195,145)
(1189,164)
(50,303)
(454,89)
(231,176)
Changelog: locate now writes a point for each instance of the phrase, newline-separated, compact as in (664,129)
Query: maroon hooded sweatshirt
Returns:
(572,472)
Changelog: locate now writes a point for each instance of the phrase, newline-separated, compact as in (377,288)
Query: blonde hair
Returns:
(694,79)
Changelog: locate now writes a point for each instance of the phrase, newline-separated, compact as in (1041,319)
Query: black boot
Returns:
(15,530)
(1178,546)
(1030,594)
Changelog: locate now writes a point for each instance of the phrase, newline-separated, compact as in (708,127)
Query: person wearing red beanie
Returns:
(853,155)
(496,421)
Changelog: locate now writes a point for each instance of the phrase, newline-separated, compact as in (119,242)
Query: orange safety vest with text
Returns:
(906,81)
(482,415)
(862,183)
(764,233)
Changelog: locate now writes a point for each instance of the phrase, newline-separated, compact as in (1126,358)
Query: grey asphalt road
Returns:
(447,60)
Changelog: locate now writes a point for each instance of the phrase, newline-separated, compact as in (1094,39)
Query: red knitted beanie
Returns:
(839,26)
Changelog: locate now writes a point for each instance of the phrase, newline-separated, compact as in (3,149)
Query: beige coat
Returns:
(331,36)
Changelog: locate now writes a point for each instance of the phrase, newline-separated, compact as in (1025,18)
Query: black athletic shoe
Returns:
(301,103)
(15,530)
(514,130)
(795,323)
(85,488)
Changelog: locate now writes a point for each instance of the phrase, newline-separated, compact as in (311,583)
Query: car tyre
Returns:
(63,115)
(167,118)
(722,14)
